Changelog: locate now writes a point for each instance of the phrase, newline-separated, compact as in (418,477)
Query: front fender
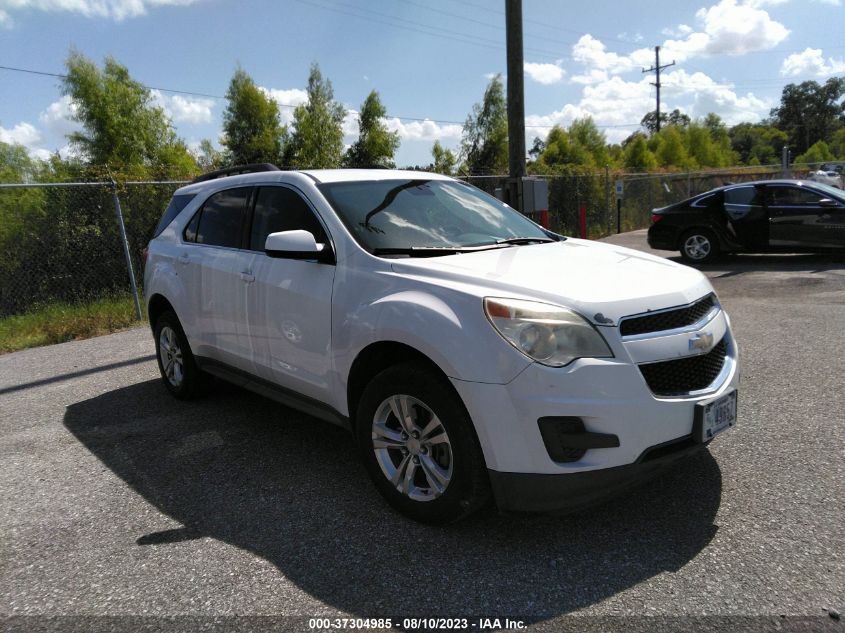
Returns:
(448,327)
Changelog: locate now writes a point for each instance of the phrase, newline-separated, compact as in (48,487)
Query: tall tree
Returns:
(676,117)
(484,145)
(810,112)
(376,145)
(444,159)
(637,156)
(252,130)
(121,124)
(317,140)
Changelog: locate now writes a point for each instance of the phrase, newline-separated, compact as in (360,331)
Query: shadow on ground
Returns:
(288,488)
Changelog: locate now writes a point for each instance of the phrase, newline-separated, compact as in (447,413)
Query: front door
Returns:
(288,306)
(798,218)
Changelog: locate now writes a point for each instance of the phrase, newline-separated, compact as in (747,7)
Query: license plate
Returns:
(714,416)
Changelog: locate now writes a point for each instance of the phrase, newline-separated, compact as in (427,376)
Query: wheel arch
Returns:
(377,357)
(156,306)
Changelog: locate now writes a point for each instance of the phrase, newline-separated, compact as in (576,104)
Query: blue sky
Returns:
(428,59)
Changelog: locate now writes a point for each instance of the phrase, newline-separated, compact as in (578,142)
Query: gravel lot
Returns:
(118,500)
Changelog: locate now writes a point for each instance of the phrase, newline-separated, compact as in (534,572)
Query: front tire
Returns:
(179,370)
(699,246)
(419,446)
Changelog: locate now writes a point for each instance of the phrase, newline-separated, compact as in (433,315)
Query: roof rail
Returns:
(237,169)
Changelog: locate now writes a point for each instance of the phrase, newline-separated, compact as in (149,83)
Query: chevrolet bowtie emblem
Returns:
(703,341)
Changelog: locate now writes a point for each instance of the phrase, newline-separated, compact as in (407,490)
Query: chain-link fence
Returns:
(64,242)
(593,196)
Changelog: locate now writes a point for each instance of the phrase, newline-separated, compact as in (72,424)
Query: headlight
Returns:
(548,334)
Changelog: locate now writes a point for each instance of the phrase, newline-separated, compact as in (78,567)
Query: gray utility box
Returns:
(535,195)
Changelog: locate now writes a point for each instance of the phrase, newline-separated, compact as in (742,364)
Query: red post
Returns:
(582,221)
(544,218)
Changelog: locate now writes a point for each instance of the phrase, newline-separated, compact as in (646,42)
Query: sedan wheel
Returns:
(699,246)
(171,356)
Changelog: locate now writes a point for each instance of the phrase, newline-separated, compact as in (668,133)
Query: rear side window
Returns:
(219,221)
(177,203)
(743,195)
(282,209)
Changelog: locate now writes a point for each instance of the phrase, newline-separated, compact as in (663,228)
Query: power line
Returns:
(30,71)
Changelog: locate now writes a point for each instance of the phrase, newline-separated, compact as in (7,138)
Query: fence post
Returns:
(607,196)
(126,254)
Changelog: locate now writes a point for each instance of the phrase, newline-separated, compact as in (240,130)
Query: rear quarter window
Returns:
(177,203)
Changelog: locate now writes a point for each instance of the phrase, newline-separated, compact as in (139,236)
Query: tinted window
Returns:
(177,203)
(282,209)
(791,196)
(743,195)
(425,213)
(191,229)
(220,219)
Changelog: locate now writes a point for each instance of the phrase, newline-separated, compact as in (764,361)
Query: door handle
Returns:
(247,276)
(184,259)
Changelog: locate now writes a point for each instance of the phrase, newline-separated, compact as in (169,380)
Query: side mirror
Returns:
(296,245)
(828,202)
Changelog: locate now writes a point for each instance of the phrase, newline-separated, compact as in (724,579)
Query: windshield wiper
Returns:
(434,251)
(525,240)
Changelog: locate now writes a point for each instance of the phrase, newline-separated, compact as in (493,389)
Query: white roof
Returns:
(348,175)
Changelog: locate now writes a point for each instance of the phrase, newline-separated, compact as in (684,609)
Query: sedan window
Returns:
(792,196)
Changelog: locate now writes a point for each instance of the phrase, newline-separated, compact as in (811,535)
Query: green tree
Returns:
(637,156)
(121,124)
(252,130)
(376,145)
(561,149)
(208,157)
(671,151)
(584,133)
(676,117)
(819,152)
(837,144)
(444,159)
(810,112)
(484,144)
(317,140)
(757,143)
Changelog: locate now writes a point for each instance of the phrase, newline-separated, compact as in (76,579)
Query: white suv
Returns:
(471,352)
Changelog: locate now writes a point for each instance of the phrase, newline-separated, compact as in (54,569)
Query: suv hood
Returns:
(603,282)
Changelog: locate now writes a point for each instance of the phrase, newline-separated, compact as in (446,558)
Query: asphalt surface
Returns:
(116,499)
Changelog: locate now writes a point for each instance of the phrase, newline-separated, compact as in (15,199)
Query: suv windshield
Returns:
(396,215)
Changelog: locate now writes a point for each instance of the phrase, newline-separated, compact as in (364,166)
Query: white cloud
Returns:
(57,118)
(426,130)
(287,100)
(24,134)
(5,19)
(727,28)
(682,30)
(117,10)
(181,109)
(811,62)
(594,55)
(546,74)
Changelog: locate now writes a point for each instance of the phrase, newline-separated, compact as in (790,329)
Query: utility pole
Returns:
(656,69)
(516,100)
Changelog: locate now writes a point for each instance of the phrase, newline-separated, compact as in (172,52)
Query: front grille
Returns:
(668,319)
(677,377)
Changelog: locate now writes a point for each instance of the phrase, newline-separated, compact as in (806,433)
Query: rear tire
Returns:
(699,246)
(419,446)
(179,371)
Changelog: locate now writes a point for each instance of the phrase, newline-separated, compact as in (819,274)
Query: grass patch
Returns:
(60,322)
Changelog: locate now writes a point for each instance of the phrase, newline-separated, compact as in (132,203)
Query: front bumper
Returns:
(612,400)
(528,492)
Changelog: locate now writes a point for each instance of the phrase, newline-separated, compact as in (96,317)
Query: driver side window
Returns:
(282,209)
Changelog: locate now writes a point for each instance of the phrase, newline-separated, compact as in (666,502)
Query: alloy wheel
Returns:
(412,447)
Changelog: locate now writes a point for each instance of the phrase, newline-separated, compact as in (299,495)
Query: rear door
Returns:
(212,241)
(746,216)
(800,218)
(288,307)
